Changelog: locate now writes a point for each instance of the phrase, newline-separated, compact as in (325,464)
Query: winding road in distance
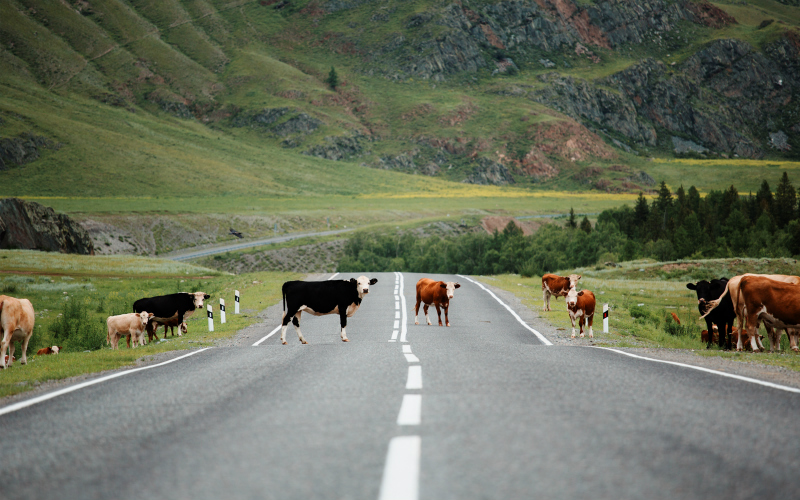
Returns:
(485,409)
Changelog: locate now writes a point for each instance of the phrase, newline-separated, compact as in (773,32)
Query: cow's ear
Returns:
(373,281)
(150,315)
(206,296)
(352,280)
(457,285)
(691,286)
(580,293)
(443,285)
(579,276)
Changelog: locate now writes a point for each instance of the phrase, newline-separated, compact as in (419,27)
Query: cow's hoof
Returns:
(573,336)
(305,342)
(284,342)
(448,324)
(345,340)
(795,349)
(416,322)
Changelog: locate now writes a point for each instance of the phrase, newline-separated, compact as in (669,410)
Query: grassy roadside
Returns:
(109,285)
(640,307)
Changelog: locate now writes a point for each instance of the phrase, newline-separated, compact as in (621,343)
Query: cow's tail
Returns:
(283,290)
(716,302)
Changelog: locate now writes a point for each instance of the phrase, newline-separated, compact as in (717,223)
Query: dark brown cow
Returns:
(437,293)
(152,327)
(553,284)
(775,303)
(581,307)
(49,350)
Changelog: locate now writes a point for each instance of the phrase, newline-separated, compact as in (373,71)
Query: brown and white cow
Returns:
(130,325)
(775,303)
(436,293)
(553,284)
(49,350)
(171,323)
(733,288)
(580,306)
(16,324)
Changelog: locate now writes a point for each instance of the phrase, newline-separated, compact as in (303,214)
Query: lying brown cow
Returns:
(130,325)
(437,293)
(734,337)
(16,324)
(580,306)
(552,284)
(48,350)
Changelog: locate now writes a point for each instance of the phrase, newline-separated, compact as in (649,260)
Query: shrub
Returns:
(639,312)
(678,330)
(75,330)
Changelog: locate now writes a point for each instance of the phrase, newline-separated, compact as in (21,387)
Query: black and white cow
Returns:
(166,307)
(342,297)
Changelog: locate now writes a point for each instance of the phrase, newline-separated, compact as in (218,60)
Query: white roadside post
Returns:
(236,305)
(605,318)
(210,319)
(221,311)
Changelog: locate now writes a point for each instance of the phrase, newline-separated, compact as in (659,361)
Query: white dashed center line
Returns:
(410,410)
(411,358)
(401,473)
(414,377)
(407,348)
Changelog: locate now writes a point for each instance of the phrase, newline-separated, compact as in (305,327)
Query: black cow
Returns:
(722,316)
(342,297)
(166,307)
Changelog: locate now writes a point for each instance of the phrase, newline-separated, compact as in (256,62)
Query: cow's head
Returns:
(184,329)
(362,285)
(450,286)
(145,316)
(707,291)
(55,349)
(198,299)
(572,297)
(573,280)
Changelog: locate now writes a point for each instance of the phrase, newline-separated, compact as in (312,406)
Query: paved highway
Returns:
(484,409)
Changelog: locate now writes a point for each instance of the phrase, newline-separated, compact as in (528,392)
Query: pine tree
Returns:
(571,222)
(730,202)
(664,200)
(764,197)
(785,202)
(333,79)
(586,226)
(641,210)
(693,199)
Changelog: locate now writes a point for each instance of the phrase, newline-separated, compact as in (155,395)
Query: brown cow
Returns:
(775,303)
(131,324)
(49,350)
(733,288)
(580,306)
(553,284)
(16,324)
(171,323)
(437,293)
(734,337)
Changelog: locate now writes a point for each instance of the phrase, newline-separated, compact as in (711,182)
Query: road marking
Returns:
(396,324)
(407,348)
(394,336)
(541,337)
(411,358)
(397,304)
(270,334)
(397,315)
(401,473)
(73,388)
(403,321)
(334,275)
(708,370)
(410,410)
(414,377)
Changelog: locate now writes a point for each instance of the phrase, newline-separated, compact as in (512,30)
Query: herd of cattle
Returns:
(751,299)
(17,320)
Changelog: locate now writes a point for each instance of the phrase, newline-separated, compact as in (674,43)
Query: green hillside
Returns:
(203,98)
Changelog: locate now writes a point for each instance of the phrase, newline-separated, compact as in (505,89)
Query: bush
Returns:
(75,330)
(639,312)
(678,330)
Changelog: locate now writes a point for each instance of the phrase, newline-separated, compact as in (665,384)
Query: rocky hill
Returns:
(524,92)
(30,226)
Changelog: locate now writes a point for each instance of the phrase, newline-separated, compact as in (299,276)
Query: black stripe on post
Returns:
(210,314)
(222,307)
(605,314)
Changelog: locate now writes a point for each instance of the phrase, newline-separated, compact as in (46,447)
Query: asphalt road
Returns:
(480,410)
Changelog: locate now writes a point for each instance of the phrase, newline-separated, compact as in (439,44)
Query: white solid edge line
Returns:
(72,388)
(404,319)
(401,472)
(538,335)
(707,370)
(270,334)
(414,380)
(410,410)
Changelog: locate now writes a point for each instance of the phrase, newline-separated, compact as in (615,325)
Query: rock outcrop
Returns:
(23,149)
(336,148)
(29,225)
(490,172)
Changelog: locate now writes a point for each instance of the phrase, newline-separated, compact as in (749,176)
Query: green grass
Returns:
(660,288)
(111,288)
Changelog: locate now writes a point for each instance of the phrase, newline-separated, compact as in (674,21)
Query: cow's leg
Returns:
(546,299)
(425,310)
(287,318)
(24,358)
(343,323)
(128,339)
(589,321)
(446,318)
(11,348)
(581,322)
(416,308)
(296,323)
(438,312)
(572,319)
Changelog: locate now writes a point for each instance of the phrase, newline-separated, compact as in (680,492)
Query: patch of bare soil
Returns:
(681,267)
(570,140)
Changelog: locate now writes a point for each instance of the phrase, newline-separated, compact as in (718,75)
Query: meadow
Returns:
(104,286)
